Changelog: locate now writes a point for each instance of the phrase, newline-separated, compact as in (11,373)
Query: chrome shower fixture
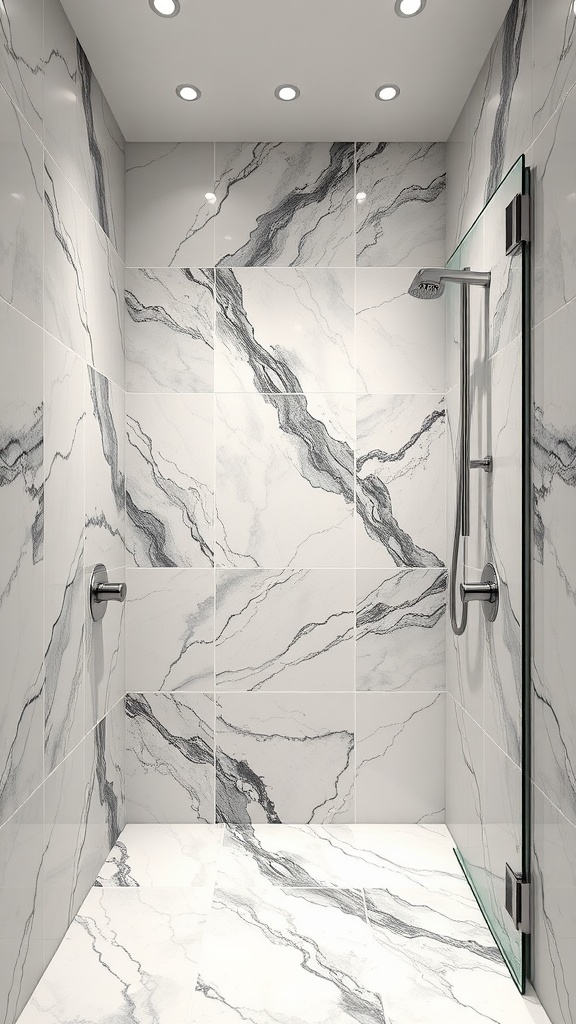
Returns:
(429,283)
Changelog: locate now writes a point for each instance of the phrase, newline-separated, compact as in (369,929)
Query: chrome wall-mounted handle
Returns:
(487,591)
(102,591)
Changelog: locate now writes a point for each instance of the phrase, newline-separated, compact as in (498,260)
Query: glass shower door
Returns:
(488,666)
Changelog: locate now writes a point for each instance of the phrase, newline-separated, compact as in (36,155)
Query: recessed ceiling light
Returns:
(165,8)
(387,92)
(287,92)
(408,8)
(188,92)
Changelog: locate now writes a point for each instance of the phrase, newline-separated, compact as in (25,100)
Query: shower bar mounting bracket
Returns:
(485,464)
(517,223)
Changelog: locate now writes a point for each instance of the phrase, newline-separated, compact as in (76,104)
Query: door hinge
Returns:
(517,899)
(517,222)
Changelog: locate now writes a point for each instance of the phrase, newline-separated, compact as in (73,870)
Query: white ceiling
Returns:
(238,51)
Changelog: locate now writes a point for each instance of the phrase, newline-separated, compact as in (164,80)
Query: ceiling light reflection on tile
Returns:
(360,197)
(210,197)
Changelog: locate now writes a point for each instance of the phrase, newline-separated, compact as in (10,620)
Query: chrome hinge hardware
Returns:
(517,898)
(517,223)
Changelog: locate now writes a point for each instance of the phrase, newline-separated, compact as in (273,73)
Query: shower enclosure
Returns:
(487,285)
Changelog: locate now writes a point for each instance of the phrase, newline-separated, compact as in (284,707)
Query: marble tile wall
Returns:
(523,101)
(62,475)
(285,483)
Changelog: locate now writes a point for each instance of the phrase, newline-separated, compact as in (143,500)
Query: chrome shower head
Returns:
(429,283)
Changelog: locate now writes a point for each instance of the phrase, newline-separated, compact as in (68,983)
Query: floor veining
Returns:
(279,924)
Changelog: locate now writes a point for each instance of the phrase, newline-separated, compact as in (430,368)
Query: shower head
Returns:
(429,283)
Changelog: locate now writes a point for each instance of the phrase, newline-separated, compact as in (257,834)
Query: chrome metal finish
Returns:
(485,464)
(429,283)
(487,591)
(517,899)
(102,591)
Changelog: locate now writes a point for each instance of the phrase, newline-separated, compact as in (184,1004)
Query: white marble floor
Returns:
(279,924)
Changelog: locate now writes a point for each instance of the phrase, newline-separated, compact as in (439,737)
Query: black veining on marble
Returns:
(17,61)
(192,749)
(266,244)
(148,527)
(140,313)
(374,502)
(101,406)
(96,159)
(122,876)
(373,614)
(512,40)
(108,798)
(64,684)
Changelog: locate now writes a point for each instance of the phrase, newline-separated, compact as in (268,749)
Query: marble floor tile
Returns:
(169,223)
(169,479)
(400,749)
(400,629)
(21,187)
(290,954)
(169,330)
(400,342)
(284,629)
(170,757)
(163,855)
(284,204)
(285,329)
(130,955)
(276,454)
(401,222)
(284,757)
(400,451)
(170,630)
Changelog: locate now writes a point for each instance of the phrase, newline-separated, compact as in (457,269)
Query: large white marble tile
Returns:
(402,219)
(502,824)
(554,257)
(60,67)
(105,752)
(284,480)
(284,204)
(284,629)
(170,330)
(400,743)
(65,262)
(64,598)
(471,198)
(169,222)
(438,962)
(273,954)
(21,33)
(170,630)
(163,855)
(104,304)
(21,905)
(284,757)
(400,470)
(285,329)
(100,160)
(400,629)
(21,189)
(554,935)
(555,560)
(503,667)
(170,474)
(21,570)
(311,856)
(554,57)
(67,868)
(457,154)
(464,788)
(400,341)
(170,758)
(128,955)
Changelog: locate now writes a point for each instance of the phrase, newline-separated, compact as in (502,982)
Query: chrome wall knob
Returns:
(102,591)
(487,590)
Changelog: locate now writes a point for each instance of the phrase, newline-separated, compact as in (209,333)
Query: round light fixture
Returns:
(408,8)
(188,92)
(387,92)
(165,8)
(286,92)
